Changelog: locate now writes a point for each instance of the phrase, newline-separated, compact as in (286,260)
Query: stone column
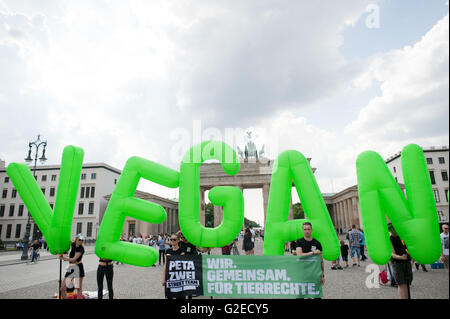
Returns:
(202,206)
(265,190)
(291,210)
(355,212)
(218,215)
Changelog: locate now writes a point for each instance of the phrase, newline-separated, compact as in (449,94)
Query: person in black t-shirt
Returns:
(400,260)
(187,247)
(35,250)
(174,250)
(307,245)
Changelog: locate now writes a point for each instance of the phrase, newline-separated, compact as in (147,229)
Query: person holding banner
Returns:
(308,246)
(174,250)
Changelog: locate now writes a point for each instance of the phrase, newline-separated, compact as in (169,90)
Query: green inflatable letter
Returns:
(292,165)
(414,217)
(55,226)
(123,203)
(229,197)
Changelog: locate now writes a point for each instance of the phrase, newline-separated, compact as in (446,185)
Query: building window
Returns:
(89,230)
(11,210)
(83,176)
(5,193)
(441,160)
(444,176)
(2,210)
(82,192)
(53,178)
(18,228)
(6,179)
(429,160)
(14,193)
(43,190)
(446,195)
(92,192)
(395,170)
(80,208)
(436,196)
(433,180)
(52,205)
(87,192)
(21,207)
(8,230)
(91,208)
(79,228)
(93,175)
(52,191)
(44,178)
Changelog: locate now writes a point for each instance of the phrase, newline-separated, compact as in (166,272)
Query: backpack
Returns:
(383,277)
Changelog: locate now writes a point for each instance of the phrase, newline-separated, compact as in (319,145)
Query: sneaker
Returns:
(340,268)
(333,268)
(353,265)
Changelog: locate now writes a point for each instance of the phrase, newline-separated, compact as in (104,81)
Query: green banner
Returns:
(262,276)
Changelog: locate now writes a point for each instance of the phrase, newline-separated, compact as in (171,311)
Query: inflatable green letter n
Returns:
(123,203)
(414,218)
(229,197)
(292,165)
(55,226)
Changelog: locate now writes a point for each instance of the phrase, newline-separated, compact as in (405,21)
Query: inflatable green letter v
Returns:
(55,226)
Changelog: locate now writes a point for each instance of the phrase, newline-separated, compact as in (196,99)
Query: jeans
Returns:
(356,249)
(108,272)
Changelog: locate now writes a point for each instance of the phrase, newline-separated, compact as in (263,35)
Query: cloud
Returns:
(414,100)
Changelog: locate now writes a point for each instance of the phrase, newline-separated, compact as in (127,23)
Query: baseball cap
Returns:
(80,236)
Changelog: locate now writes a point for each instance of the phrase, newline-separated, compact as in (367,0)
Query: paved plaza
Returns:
(24,280)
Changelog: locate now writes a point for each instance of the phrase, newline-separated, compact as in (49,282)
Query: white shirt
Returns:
(444,242)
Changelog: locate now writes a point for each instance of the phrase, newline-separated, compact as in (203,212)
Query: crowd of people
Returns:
(400,268)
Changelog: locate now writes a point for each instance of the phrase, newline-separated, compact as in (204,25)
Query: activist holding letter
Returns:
(307,246)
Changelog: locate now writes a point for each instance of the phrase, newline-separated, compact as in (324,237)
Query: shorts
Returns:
(402,272)
(345,258)
(75,271)
(356,249)
(446,261)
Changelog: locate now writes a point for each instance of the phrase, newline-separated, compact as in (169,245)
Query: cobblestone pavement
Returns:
(23,280)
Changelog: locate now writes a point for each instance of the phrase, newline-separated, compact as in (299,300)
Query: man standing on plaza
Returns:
(444,242)
(355,238)
(307,246)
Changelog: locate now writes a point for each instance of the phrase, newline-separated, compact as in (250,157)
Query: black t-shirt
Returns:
(189,249)
(35,246)
(172,252)
(344,250)
(308,246)
(74,250)
(399,248)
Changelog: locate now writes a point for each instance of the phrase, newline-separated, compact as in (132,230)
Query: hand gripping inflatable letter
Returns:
(414,217)
(292,165)
(55,226)
(229,197)
(123,203)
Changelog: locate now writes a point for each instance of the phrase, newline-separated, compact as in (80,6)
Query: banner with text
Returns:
(244,276)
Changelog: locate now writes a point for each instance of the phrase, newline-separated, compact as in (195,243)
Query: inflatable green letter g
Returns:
(228,196)
(414,218)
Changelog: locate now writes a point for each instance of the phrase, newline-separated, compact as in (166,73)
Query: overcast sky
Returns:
(149,78)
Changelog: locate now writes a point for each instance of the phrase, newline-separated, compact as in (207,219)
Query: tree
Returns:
(298,211)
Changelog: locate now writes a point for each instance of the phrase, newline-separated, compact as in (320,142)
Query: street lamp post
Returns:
(37,144)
